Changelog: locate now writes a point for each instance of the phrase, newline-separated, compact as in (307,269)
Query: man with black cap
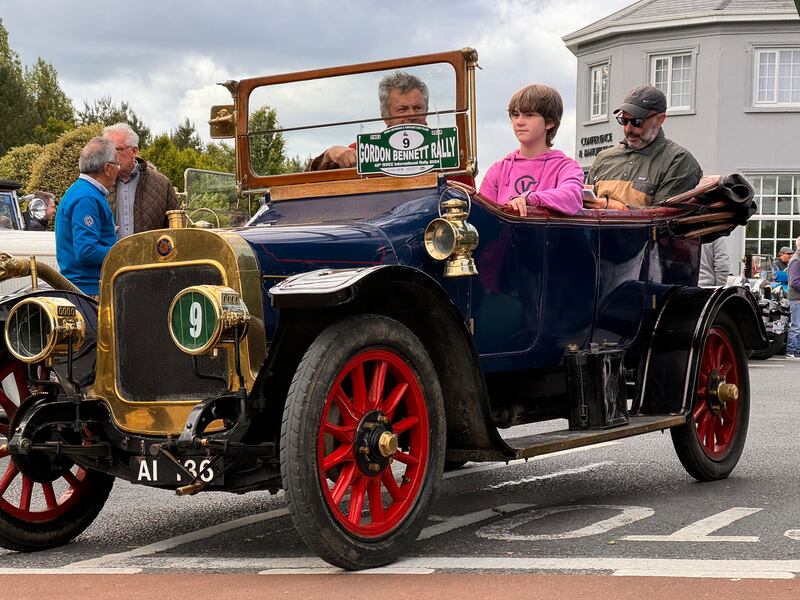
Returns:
(646,168)
(782,261)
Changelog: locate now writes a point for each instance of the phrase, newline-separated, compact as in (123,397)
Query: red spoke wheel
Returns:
(362,445)
(711,442)
(52,506)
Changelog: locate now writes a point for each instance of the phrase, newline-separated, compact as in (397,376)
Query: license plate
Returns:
(161,470)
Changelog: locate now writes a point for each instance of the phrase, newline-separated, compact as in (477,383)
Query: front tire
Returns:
(710,443)
(57,505)
(362,442)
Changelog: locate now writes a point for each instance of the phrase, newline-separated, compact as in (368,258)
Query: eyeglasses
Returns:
(114,163)
(122,148)
(636,122)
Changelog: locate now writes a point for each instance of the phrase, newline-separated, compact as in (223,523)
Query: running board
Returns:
(545,443)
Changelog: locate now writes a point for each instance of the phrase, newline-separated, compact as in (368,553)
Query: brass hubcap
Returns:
(387,444)
(727,392)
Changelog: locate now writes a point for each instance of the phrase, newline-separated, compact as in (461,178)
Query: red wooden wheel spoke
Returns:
(8,477)
(343,482)
(49,495)
(376,385)
(404,425)
(346,408)
(391,486)
(375,500)
(406,458)
(357,501)
(27,493)
(337,457)
(73,481)
(359,389)
(394,398)
(340,433)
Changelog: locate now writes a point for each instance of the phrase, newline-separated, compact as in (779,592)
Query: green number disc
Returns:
(193,320)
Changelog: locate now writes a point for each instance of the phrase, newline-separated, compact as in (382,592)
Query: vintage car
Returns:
(15,236)
(368,326)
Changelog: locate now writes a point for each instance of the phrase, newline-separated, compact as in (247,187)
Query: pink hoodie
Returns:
(551,180)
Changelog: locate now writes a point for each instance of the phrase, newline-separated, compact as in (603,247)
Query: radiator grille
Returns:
(149,366)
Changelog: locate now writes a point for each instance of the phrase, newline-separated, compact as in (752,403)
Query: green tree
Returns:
(221,156)
(56,168)
(105,112)
(185,136)
(53,110)
(16,112)
(17,164)
(267,146)
(172,161)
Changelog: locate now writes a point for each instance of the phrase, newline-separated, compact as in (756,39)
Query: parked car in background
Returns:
(368,326)
(16,239)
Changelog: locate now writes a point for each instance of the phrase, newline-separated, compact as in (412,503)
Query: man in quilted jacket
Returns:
(141,195)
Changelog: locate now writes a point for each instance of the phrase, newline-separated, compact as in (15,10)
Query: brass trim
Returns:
(235,260)
(65,322)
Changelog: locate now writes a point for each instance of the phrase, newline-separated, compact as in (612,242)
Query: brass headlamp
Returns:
(41,328)
(451,238)
(204,317)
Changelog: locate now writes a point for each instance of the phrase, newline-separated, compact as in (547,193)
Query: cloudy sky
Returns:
(166,57)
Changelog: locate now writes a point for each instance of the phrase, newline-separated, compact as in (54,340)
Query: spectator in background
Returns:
(714,264)
(782,262)
(84,222)
(793,340)
(141,195)
(41,223)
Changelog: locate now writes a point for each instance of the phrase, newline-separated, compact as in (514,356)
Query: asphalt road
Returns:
(625,508)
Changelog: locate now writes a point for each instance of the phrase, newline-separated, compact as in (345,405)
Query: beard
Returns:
(637,141)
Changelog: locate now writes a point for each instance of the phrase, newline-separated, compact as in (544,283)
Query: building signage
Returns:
(406,150)
(592,145)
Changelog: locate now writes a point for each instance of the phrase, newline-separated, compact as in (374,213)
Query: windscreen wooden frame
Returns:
(463,63)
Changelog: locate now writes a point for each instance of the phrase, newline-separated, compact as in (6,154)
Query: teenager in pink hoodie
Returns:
(535,175)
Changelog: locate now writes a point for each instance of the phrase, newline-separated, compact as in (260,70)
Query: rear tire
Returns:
(362,442)
(710,443)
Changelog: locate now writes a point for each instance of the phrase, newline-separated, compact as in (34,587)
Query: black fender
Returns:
(85,358)
(673,356)
(415,299)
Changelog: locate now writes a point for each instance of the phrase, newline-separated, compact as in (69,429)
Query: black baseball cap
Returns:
(643,101)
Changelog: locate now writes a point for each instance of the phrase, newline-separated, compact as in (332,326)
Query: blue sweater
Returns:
(84,234)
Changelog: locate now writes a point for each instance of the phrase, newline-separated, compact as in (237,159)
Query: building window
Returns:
(673,75)
(777,222)
(598,77)
(777,77)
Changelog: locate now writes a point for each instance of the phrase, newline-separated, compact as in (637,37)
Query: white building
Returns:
(731,72)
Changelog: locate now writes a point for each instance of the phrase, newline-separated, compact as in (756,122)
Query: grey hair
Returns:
(96,154)
(46,196)
(131,137)
(402,82)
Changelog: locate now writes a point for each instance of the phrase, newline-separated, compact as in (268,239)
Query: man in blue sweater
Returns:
(85,228)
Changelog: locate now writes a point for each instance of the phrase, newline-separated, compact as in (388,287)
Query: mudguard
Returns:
(677,342)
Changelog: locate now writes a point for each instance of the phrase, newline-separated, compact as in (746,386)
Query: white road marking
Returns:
(70,571)
(179,540)
(699,530)
(583,469)
(460,521)
(504,529)
(793,534)
(644,567)
(502,465)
